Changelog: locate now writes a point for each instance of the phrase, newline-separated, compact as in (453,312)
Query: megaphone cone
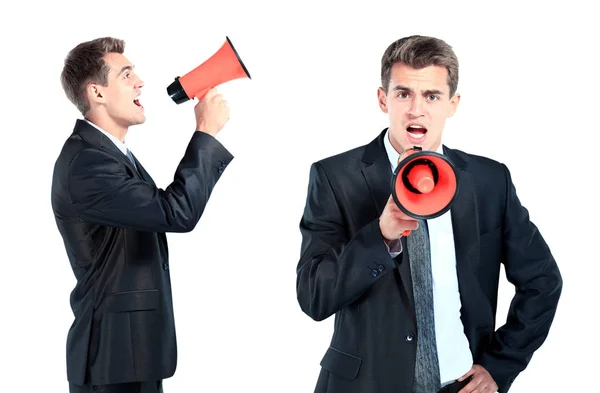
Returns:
(225,65)
(424,184)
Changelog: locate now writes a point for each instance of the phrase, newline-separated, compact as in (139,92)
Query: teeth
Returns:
(415,127)
(416,136)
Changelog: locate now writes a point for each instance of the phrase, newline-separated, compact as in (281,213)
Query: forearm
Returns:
(101,190)
(197,174)
(331,276)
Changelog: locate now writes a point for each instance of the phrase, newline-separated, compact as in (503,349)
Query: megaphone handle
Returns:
(406,233)
(200,95)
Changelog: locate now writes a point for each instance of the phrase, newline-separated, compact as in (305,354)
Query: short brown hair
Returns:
(84,65)
(419,52)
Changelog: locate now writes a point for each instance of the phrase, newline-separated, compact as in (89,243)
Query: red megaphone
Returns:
(424,184)
(223,66)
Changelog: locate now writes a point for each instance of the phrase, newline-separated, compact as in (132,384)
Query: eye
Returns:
(402,95)
(127,75)
(433,97)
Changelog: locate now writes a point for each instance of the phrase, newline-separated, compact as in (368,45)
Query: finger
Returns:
(391,201)
(400,214)
(406,224)
(393,208)
(210,93)
(403,155)
(471,386)
(468,374)
(487,385)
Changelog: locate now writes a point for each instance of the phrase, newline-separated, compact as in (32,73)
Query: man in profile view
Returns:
(417,313)
(113,220)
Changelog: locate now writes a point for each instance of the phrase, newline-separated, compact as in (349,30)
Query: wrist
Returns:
(206,130)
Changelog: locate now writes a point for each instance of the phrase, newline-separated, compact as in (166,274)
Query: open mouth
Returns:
(137,102)
(416,132)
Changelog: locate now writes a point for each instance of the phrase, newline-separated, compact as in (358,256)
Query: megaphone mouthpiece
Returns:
(420,176)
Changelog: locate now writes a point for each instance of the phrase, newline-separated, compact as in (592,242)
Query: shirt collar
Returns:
(393,155)
(121,145)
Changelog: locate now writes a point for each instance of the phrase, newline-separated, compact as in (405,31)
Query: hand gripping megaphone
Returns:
(424,184)
(223,66)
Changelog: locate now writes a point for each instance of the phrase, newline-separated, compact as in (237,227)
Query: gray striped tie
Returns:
(427,372)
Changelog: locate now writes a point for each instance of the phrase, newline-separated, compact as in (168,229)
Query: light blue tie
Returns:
(130,156)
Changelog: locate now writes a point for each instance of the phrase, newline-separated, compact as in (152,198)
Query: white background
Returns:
(529,84)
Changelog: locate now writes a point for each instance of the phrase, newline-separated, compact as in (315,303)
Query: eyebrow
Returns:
(125,68)
(408,89)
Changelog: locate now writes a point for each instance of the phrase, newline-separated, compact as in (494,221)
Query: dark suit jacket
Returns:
(113,221)
(346,270)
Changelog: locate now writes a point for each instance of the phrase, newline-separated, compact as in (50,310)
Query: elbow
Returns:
(313,310)
(189,226)
(184,225)
(312,304)
(191,220)
(558,283)
(315,293)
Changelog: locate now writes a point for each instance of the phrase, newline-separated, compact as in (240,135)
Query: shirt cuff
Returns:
(394,248)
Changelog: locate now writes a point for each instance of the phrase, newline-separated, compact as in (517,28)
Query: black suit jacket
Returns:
(346,270)
(113,221)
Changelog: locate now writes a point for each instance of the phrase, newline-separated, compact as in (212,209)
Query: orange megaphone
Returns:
(424,184)
(223,66)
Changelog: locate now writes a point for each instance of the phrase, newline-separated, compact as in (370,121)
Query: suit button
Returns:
(409,337)
(381,268)
(220,169)
(374,273)
(166,266)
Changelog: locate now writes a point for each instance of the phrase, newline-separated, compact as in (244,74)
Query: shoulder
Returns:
(346,160)
(489,176)
(354,159)
(477,165)
(475,160)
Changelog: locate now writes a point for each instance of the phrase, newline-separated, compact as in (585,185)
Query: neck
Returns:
(108,125)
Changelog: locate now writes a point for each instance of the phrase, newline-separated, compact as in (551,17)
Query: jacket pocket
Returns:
(145,300)
(341,364)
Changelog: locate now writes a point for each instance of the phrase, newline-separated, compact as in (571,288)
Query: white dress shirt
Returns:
(454,355)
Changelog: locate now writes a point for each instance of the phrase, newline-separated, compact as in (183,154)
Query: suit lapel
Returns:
(464,214)
(93,136)
(377,173)
(143,173)
(378,176)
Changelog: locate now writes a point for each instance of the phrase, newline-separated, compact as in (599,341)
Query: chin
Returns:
(139,120)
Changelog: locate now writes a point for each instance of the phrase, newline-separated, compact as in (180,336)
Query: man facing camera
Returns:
(113,220)
(417,313)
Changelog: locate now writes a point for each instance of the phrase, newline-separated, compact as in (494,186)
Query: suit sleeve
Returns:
(531,268)
(101,190)
(334,269)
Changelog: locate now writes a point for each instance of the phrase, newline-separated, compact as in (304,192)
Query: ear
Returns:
(453,105)
(382,99)
(95,93)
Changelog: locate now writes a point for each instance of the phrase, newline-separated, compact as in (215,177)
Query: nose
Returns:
(140,83)
(416,106)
